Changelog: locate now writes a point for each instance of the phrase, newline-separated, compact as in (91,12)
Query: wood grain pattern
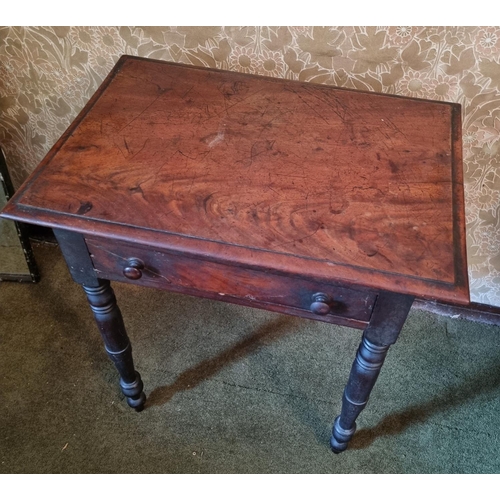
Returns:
(327,182)
(264,290)
(309,200)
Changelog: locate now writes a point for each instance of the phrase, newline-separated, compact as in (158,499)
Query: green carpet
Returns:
(233,389)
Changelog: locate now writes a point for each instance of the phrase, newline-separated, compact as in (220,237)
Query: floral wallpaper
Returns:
(47,74)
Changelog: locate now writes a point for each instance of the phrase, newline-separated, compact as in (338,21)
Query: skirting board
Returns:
(480,313)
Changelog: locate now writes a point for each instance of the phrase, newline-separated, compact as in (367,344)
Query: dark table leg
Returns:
(387,319)
(110,323)
(106,312)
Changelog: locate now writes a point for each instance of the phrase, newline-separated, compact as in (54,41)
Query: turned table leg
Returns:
(387,319)
(106,313)
(116,342)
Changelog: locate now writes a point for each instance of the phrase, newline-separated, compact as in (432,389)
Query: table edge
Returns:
(326,271)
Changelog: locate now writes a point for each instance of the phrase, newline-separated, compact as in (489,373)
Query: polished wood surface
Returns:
(309,180)
(152,267)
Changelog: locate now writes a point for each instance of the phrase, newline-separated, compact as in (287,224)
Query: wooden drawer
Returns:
(147,266)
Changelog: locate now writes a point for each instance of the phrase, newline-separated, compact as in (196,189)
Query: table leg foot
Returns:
(340,437)
(134,393)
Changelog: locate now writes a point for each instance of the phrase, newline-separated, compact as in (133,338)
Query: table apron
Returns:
(293,295)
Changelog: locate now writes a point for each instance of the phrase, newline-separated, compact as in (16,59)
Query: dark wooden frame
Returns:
(22,232)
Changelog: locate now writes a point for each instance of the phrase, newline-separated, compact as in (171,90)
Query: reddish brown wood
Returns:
(304,199)
(251,287)
(326,183)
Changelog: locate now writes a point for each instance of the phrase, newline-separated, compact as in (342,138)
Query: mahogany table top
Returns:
(311,180)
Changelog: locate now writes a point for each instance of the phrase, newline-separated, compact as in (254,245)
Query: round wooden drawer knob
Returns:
(133,269)
(321,304)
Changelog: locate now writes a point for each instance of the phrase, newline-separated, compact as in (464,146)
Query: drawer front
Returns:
(146,266)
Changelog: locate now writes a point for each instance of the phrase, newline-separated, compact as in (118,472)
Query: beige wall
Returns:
(48,74)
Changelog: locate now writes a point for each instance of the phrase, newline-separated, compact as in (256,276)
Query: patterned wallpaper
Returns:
(47,74)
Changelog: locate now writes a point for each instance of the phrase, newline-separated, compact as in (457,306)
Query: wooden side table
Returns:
(329,204)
